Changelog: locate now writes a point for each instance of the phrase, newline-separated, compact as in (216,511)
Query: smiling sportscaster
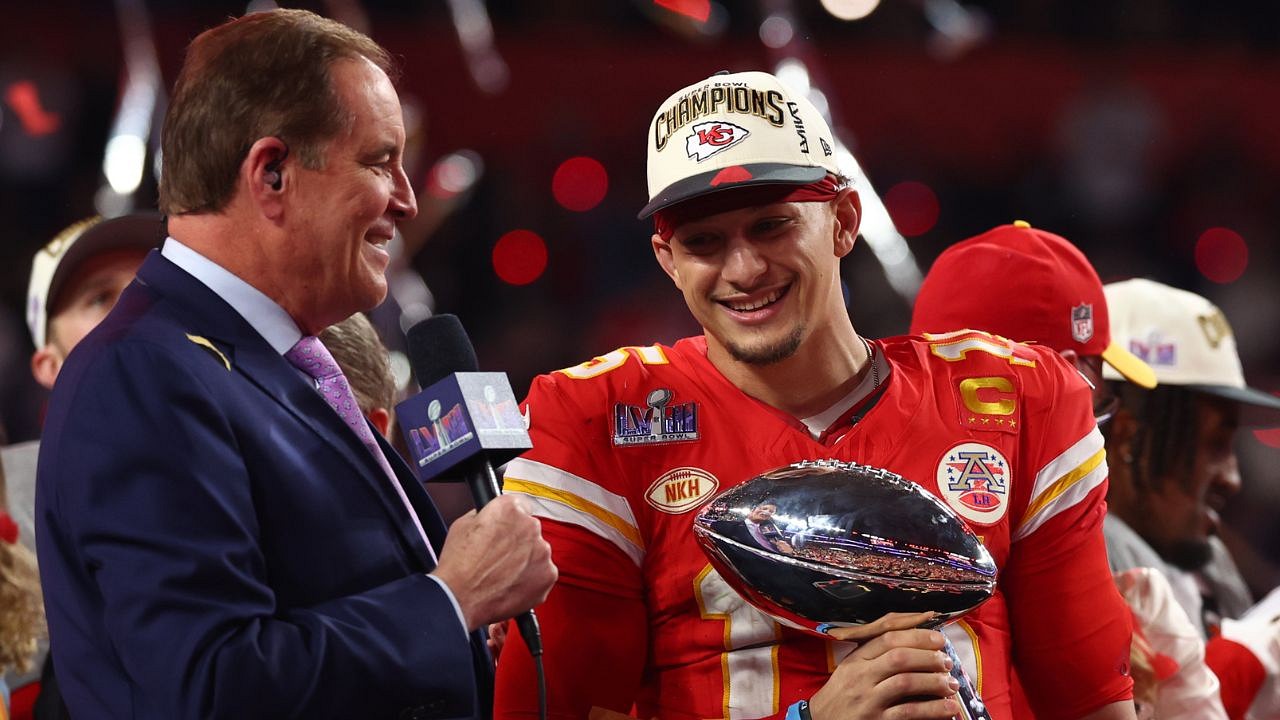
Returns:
(221,534)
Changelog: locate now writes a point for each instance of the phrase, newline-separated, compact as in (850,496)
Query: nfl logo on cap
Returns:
(1082,322)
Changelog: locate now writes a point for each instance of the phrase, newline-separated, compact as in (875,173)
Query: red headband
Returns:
(666,220)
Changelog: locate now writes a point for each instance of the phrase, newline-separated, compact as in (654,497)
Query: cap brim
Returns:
(1130,366)
(716,180)
(144,230)
(1246,396)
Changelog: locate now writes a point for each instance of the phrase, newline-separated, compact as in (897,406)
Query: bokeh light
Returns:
(850,9)
(580,183)
(454,174)
(698,10)
(776,31)
(1269,437)
(520,257)
(913,207)
(1221,255)
(24,97)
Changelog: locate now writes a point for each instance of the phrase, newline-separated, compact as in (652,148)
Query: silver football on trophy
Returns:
(825,544)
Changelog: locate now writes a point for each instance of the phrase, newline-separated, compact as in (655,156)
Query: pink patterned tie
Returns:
(311,357)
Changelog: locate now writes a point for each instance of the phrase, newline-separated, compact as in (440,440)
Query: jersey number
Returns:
(650,355)
(954,346)
(749,663)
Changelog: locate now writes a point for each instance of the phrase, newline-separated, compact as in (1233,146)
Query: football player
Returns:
(1176,467)
(752,218)
(1031,285)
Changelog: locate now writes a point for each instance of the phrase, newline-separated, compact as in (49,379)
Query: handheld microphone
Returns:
(463,420)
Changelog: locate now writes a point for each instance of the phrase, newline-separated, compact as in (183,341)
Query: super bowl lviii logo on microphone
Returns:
(459,416)
(446,432)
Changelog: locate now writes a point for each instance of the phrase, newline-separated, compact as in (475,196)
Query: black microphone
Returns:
(463,421)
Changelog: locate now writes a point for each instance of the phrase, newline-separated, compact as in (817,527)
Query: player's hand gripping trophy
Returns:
(859,543)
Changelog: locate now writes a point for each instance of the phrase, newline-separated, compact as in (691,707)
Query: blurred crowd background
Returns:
(1143,131)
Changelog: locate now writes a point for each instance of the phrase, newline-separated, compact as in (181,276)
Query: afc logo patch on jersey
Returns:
(709,138)
(989,403)
(973,479)
(681,490)
(657,421)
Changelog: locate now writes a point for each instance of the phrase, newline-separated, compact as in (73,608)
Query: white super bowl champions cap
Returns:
(1183,337)
(59,259)
(735,130)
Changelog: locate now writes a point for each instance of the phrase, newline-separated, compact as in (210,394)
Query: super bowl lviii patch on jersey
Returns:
(973,479)
(659,420)
(681,490)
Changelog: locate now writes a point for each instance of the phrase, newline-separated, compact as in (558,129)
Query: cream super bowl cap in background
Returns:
(735,130)
(59,259)
(1183,337)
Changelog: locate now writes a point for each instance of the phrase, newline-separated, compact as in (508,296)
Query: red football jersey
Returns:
(628,446)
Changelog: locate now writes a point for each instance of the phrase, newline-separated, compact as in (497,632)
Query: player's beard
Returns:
(770,353)
(1189,554)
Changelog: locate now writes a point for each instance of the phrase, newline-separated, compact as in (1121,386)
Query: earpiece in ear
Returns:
(271,172)
(272,175)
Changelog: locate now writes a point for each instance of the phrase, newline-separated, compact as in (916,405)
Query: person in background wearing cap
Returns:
(221,534)
(1173,467)
(1030,285)
(753,217)
(75,281)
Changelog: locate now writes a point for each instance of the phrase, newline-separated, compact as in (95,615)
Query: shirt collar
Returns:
(261,312)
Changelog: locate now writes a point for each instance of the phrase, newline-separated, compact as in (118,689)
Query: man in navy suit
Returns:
(218,538)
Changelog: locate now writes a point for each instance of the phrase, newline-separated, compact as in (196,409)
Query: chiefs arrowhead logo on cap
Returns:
(708,138)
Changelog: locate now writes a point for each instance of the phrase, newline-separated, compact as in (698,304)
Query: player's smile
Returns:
(760,279)
(757,306)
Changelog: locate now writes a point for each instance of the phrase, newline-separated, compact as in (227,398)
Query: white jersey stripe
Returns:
(1070,459)
(965,642)
(552,476)
(1065,482)
(563,496)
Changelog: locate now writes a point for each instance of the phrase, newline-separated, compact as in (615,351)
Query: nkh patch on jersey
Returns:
(657,421)
(681,490)
(709,138)
(974,480)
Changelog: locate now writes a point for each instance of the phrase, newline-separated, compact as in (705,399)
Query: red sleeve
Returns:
(1071,627)
(1239,672)
(594,634)
(23,701)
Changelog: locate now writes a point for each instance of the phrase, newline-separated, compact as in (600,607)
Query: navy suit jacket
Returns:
(214,541)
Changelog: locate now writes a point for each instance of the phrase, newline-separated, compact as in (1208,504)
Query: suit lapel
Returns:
(428,515)
(213,321)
